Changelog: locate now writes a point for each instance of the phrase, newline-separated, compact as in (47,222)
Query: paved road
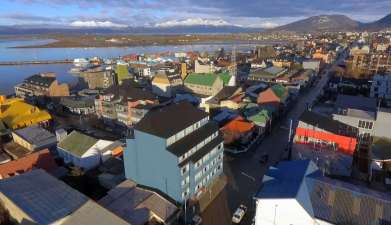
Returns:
(245,173)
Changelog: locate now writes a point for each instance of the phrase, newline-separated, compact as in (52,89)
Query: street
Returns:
(245,172)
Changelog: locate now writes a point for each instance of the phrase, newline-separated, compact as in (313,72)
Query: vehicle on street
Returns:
(239,214)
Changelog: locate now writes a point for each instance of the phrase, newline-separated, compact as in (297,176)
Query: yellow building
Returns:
(16,113)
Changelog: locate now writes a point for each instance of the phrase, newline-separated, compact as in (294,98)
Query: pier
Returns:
(36,62)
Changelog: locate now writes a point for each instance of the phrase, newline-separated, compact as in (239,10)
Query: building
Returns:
(15,113)
(38,198)
(276,95)
(83,105)
(84,151)
(356,111)
(324,56)
(206,84)
(366,64)
(181,157)
(228,97)
(122,71)
(99,77)
(44,84)
(166,84)
(381,88)
(37,160)
(312,65)
(34,138)
(296,192)
(203,66)
(268,74)
(125,104)
(326,133)
(383,123)
(139,206)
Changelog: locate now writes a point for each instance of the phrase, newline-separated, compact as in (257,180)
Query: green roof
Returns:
(77,143)
(205,79)
(225,76)
(122,72)
(280,91)
(260,118)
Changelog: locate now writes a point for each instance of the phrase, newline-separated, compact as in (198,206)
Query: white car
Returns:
(239,214)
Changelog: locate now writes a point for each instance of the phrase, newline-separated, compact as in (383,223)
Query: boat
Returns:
(80,62)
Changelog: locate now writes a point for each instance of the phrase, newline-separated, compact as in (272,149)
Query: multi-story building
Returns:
(177,150)
(98,77)
(206,84)
(367,64)
(203,66)
(381,87)
(44,84)
(124,104)
(356,111)
(166,83)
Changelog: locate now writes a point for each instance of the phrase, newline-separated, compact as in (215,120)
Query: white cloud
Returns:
(93,23)
(268,25)
(194,21)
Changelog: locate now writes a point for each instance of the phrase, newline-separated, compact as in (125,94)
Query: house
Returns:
(79,105)
(99,77)
(44,84)
(15,113)
(166,84)
(36,197)
(202,66)
(228,97)
(34,138)
(41,159)
(296,192)
(29,196)
(276,95)
(268,74)
(181,157)
(356,111)
(312,65)
(237,130)
(125,104)
(314,128)
(204,84)
(84,151)
(139,206)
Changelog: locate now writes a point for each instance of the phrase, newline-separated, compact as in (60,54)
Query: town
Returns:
(298,129)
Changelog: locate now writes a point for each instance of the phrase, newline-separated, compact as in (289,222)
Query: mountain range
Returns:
(312,24)
(334,23)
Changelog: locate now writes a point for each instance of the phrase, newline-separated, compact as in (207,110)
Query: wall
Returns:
(148,163)
(353,121)
(15,212)
(383,124)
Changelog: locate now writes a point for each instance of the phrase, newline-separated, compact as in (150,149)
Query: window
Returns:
(198,175)
(180,135)
(220,146)
(181,158)
(198,164)
(185,181)
(184,169)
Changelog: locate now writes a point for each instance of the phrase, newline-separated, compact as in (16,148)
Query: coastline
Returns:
(140,41)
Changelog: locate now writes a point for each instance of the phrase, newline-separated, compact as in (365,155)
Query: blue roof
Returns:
(42,197)
(331,200)
(284,181)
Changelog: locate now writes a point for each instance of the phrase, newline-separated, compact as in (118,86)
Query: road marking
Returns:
(246,175)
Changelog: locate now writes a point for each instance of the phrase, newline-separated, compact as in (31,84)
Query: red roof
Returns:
(238,125)
(41,159)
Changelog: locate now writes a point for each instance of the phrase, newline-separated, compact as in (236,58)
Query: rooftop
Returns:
(356,102)
(170,119)
(40,80)
(42,197)
(328,124)
(135,204)
(36,135)
(77,143)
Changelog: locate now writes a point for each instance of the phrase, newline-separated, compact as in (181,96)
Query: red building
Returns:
(314,128)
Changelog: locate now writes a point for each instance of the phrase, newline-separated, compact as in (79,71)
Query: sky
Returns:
(165,13)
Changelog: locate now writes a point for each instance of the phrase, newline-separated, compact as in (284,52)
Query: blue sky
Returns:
(254,13)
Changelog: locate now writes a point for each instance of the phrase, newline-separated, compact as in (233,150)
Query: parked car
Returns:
(239,214)
(197,220)
(264,159)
